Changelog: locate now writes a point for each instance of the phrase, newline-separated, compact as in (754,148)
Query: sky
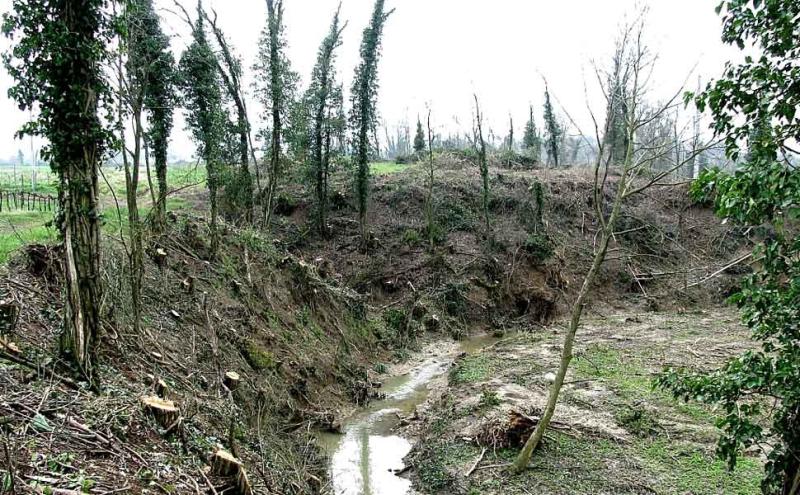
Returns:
(437,53)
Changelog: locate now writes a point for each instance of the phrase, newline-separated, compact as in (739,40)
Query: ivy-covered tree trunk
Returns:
(275,19)
(429,210)
(77,159)
(160,159)
(321,86)
(205,113)
(364,96)
(231,75)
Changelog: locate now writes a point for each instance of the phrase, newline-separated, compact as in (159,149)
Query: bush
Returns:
(452,215)
(454,299)
(539,247)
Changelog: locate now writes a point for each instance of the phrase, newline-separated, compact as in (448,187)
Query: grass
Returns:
(46,183)
(585,465)
(670,448)
(627,375)
(471,369)
(21,227)
(388,168)
(682,469)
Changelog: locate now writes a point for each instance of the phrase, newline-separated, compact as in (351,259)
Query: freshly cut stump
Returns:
(223,463)
(243,483)
(165,411)
(231,380)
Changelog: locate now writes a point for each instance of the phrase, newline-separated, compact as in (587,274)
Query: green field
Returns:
(20,227)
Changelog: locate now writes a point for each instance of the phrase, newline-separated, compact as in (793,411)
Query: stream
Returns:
(366,455)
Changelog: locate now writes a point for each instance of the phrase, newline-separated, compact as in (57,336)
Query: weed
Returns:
(489,399)
(638,420)
(411,237)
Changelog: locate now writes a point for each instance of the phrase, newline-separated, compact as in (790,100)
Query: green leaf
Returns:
(40,423)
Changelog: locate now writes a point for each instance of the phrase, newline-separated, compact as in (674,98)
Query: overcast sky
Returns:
(441,51)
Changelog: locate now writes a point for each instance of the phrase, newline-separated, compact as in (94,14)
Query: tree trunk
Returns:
(160,155)
(524,457)
(429,202)
(78,193)
(81,231)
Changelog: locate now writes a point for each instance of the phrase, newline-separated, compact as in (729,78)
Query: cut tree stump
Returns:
(188,285)
(223,463)
(160,257)
(243,483)
(9,315)
(164,411)
(231,380)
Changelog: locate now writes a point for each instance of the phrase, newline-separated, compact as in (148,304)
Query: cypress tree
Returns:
(419,139)
(364,101)
(155,73)
(616,136)
(138,56)
(240,190)
(553,131)
(57,67)
(483,165)
(510,133)
(276,88)
(531,142)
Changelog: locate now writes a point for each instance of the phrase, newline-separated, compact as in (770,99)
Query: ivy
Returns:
(755,103)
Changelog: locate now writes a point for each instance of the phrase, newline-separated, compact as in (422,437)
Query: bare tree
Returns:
(480,145)
(429,211)
(636,174)
(231,75)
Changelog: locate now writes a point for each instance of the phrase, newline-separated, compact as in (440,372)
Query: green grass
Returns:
(22,180)
(19,228)
(177,176)
(631,381)
(681,468)
(387,168)
(22,227)
(568,464)
(471,369)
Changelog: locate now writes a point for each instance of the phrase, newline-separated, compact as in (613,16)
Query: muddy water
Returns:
(366,456)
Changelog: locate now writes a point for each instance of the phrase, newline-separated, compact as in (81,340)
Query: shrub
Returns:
(539,247)
(285,205)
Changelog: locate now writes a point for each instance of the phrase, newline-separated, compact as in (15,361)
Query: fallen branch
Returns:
(475,465)
(722,270)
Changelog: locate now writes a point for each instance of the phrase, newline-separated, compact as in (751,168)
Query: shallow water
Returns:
(366,456)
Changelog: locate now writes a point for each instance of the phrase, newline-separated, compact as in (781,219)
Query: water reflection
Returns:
(365,458)
(365,463)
